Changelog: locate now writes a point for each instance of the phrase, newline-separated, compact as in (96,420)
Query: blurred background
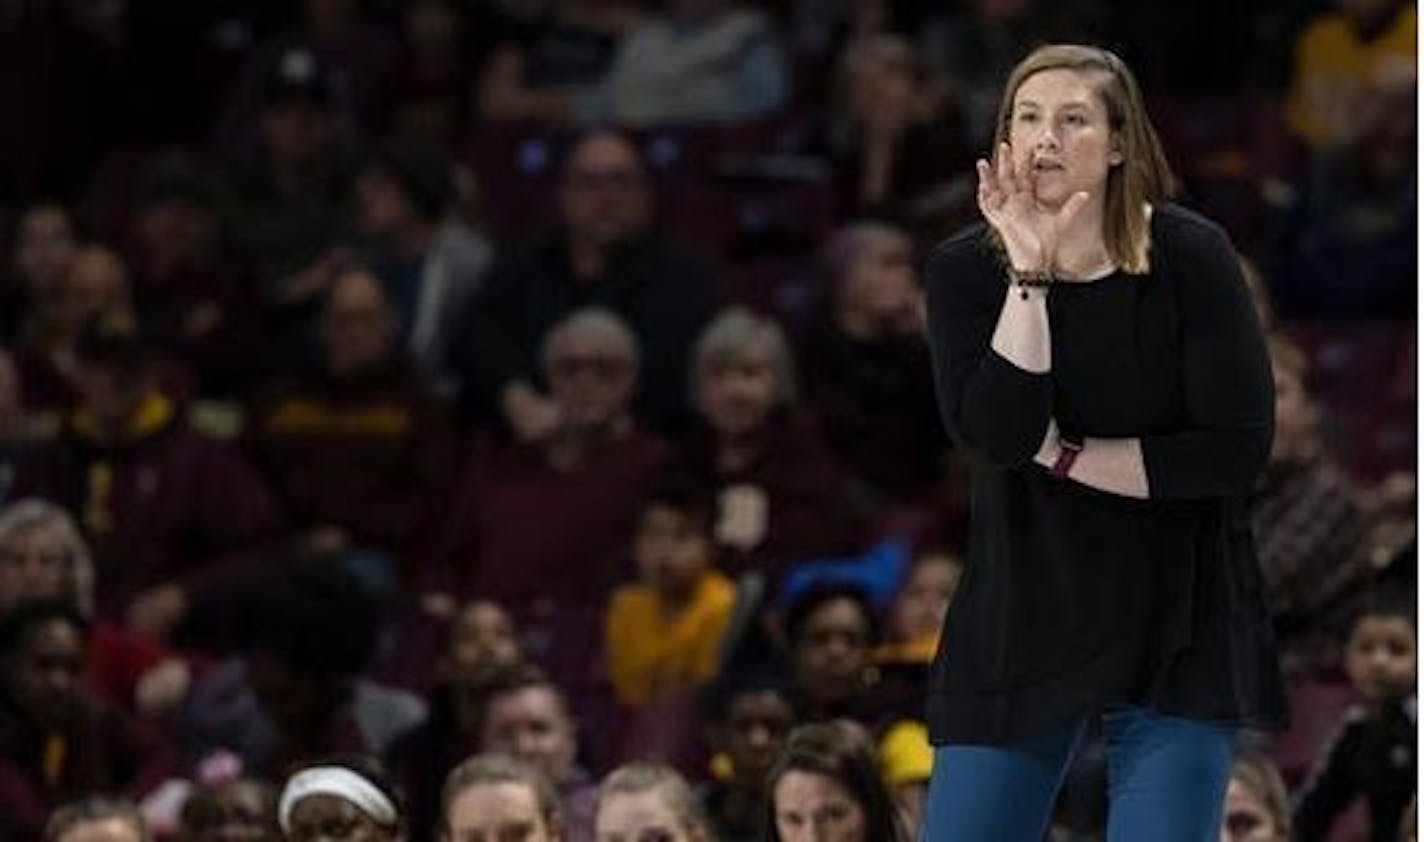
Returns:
(356,357)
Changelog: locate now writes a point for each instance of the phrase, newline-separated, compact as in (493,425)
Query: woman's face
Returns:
(815,808)
(45,245)
(326,818)
(880,283)
(832,652)
(639,817)
(739,394)
(47,673)
(235,811)
(1246,817)
(921,606)
(35,563)
(1058,129)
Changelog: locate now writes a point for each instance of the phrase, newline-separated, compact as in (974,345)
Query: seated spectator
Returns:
(528,718)
(642,801)
(43,557)
(543,527)
(479,645)
(45,243)
(96,280)
(832,633)
(699,62)
(354,795)
(167,512)
(230,810)
(1257,806)
(539,74)
(429,261)
(443,44)
(665,634)
(899,152)
(297,695)
(604,253)
(1373,753)
(1353,241)
(826,784)
(494,797)
(196,295)
(58,741)
(285,201)
(1338,55)
(357,450)
(750,714)
(917,616)
(779,497)
(868,373)
(97,819)
(1310,532)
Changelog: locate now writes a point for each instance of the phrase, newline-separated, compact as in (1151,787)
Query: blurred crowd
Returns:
(512,418)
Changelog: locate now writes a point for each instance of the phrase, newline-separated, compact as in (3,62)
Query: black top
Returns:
(1075,599)
(1373,755)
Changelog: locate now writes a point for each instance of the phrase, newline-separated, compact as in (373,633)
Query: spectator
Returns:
(429,262)
(96,280)
(45,244)
(543,527)
(899,151)
(284,203)
(1373,753)
(917,617)
(832,631)
(643,801)
(57,741)
(43,557)
(541,72)
(665,634)
(528,718)
(750,714)
(826,785)
(479,645)
(358,451)
(196,295)
(1257,807)
(1339,54)
(491,796)
(167,512)
(869,381)
(604,253)
(355,796)
(97,819)
(700,62)
(1310,531)
(235,810)
(779,498)
(441,53)
(297,696)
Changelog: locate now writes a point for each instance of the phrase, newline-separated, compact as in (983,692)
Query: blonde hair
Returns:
(1143,178)
(34,513)
(639,777)
(491,769)
(1260,777)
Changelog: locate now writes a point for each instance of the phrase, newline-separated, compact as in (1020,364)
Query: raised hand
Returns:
(1029,229)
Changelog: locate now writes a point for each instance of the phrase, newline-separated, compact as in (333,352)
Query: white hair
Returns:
(598,324)
(732,334)
(33,513)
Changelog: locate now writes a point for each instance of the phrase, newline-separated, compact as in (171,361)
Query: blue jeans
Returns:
(1166,781)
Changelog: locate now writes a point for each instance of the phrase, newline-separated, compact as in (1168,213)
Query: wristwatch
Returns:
(1069,446)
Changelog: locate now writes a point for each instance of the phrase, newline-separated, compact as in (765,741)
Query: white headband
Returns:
(340,782)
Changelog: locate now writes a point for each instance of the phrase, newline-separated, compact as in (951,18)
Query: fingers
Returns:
(990,197)
(1071,208)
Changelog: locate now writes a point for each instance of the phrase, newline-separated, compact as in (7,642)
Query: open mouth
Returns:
(1047,166)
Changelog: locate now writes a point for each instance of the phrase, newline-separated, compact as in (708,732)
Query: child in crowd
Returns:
(749,715)
(918,613)
(665,632)
(1373,755)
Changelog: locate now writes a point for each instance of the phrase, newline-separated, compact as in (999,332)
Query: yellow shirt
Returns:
(650,652)
(1332,67)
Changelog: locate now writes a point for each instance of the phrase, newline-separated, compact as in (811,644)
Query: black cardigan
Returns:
(1075,599)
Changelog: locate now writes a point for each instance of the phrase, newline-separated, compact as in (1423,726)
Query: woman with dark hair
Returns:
(826,787)
(1098,356)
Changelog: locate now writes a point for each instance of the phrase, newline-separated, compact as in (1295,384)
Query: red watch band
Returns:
(1068,450)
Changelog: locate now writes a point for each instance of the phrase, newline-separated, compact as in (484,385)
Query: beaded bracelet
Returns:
(1040,279)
